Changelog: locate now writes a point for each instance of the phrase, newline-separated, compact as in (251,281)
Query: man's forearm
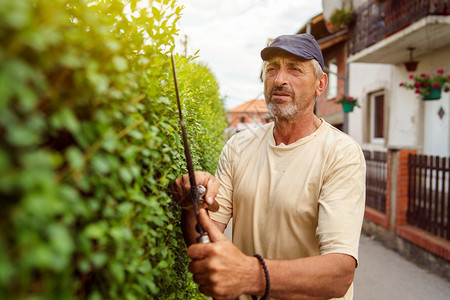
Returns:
(319,277)
(224,272)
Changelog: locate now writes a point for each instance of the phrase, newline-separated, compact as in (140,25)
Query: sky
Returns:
(230,34)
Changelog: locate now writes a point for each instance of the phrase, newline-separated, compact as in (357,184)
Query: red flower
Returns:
(423,83)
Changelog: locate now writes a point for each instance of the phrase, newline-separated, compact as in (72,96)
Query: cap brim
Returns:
(269,52)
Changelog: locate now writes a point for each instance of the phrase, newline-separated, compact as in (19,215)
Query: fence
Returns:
(428,194)
(376,179)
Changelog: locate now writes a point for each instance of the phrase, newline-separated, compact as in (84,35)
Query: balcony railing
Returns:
(375,21)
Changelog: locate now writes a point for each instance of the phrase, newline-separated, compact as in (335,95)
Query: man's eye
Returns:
(271,70)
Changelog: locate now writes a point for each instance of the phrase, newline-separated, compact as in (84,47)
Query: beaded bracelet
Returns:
(266,275)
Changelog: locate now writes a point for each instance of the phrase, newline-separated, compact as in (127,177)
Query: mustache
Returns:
(283,89)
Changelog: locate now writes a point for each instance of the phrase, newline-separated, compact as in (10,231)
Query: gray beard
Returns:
(288,111)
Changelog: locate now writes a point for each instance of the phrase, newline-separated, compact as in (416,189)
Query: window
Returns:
(377,118)
(332,79)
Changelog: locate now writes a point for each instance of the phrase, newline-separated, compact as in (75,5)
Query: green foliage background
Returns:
(89,144)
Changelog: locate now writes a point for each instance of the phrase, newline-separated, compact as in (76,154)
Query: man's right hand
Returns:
(220,268)
(181,188)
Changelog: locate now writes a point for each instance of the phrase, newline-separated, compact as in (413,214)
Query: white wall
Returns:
(436,129)
(410,122)
(404,129)
(433,134)
(365,79)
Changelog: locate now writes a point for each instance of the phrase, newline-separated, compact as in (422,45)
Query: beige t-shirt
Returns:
(292,201)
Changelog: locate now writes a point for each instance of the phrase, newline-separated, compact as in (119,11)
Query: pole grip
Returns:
(203,239)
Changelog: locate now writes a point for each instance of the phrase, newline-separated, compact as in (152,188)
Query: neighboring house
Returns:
(251,114)
(381,41)
(406,140)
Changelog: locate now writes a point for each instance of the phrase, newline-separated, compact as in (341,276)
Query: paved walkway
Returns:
(383,274)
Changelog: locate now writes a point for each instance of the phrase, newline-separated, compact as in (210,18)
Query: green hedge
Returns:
(89,144)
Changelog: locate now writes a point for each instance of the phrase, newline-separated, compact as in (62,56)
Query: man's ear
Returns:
(322,84)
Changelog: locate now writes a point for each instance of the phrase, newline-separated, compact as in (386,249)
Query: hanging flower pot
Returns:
(429,86)
(347,106)
(348,103)
(434,94)
(411,66)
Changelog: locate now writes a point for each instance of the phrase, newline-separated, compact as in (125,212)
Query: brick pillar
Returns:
(401,186)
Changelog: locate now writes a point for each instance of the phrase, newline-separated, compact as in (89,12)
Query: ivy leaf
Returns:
(75,158)
(156,13)
(100,164)
(95,230)
(120,63)
(22,136)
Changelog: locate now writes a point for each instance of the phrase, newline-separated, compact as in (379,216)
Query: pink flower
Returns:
(417,91)
(436,85)
(424,84)
(411,76)
(417,84)
(440,71)
(402,83)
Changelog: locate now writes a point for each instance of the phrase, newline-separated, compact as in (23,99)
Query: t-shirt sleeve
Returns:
(225,194)
(341,201)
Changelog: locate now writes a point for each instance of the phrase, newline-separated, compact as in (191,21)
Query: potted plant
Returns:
(340,18)
(429,86)
(348,103)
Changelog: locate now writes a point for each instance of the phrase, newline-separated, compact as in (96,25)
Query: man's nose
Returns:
(281,78)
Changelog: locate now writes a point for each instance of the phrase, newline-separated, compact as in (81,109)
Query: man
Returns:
(295,189)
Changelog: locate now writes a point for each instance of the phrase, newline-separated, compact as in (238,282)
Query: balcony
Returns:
(383,32)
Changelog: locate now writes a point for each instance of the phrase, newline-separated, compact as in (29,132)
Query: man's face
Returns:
(290,85)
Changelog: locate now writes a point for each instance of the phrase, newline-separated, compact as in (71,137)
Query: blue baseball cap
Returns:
(301,45)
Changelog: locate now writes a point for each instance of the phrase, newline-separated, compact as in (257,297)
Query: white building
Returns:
(380,42)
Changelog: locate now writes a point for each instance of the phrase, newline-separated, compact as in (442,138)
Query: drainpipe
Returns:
(345,127)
